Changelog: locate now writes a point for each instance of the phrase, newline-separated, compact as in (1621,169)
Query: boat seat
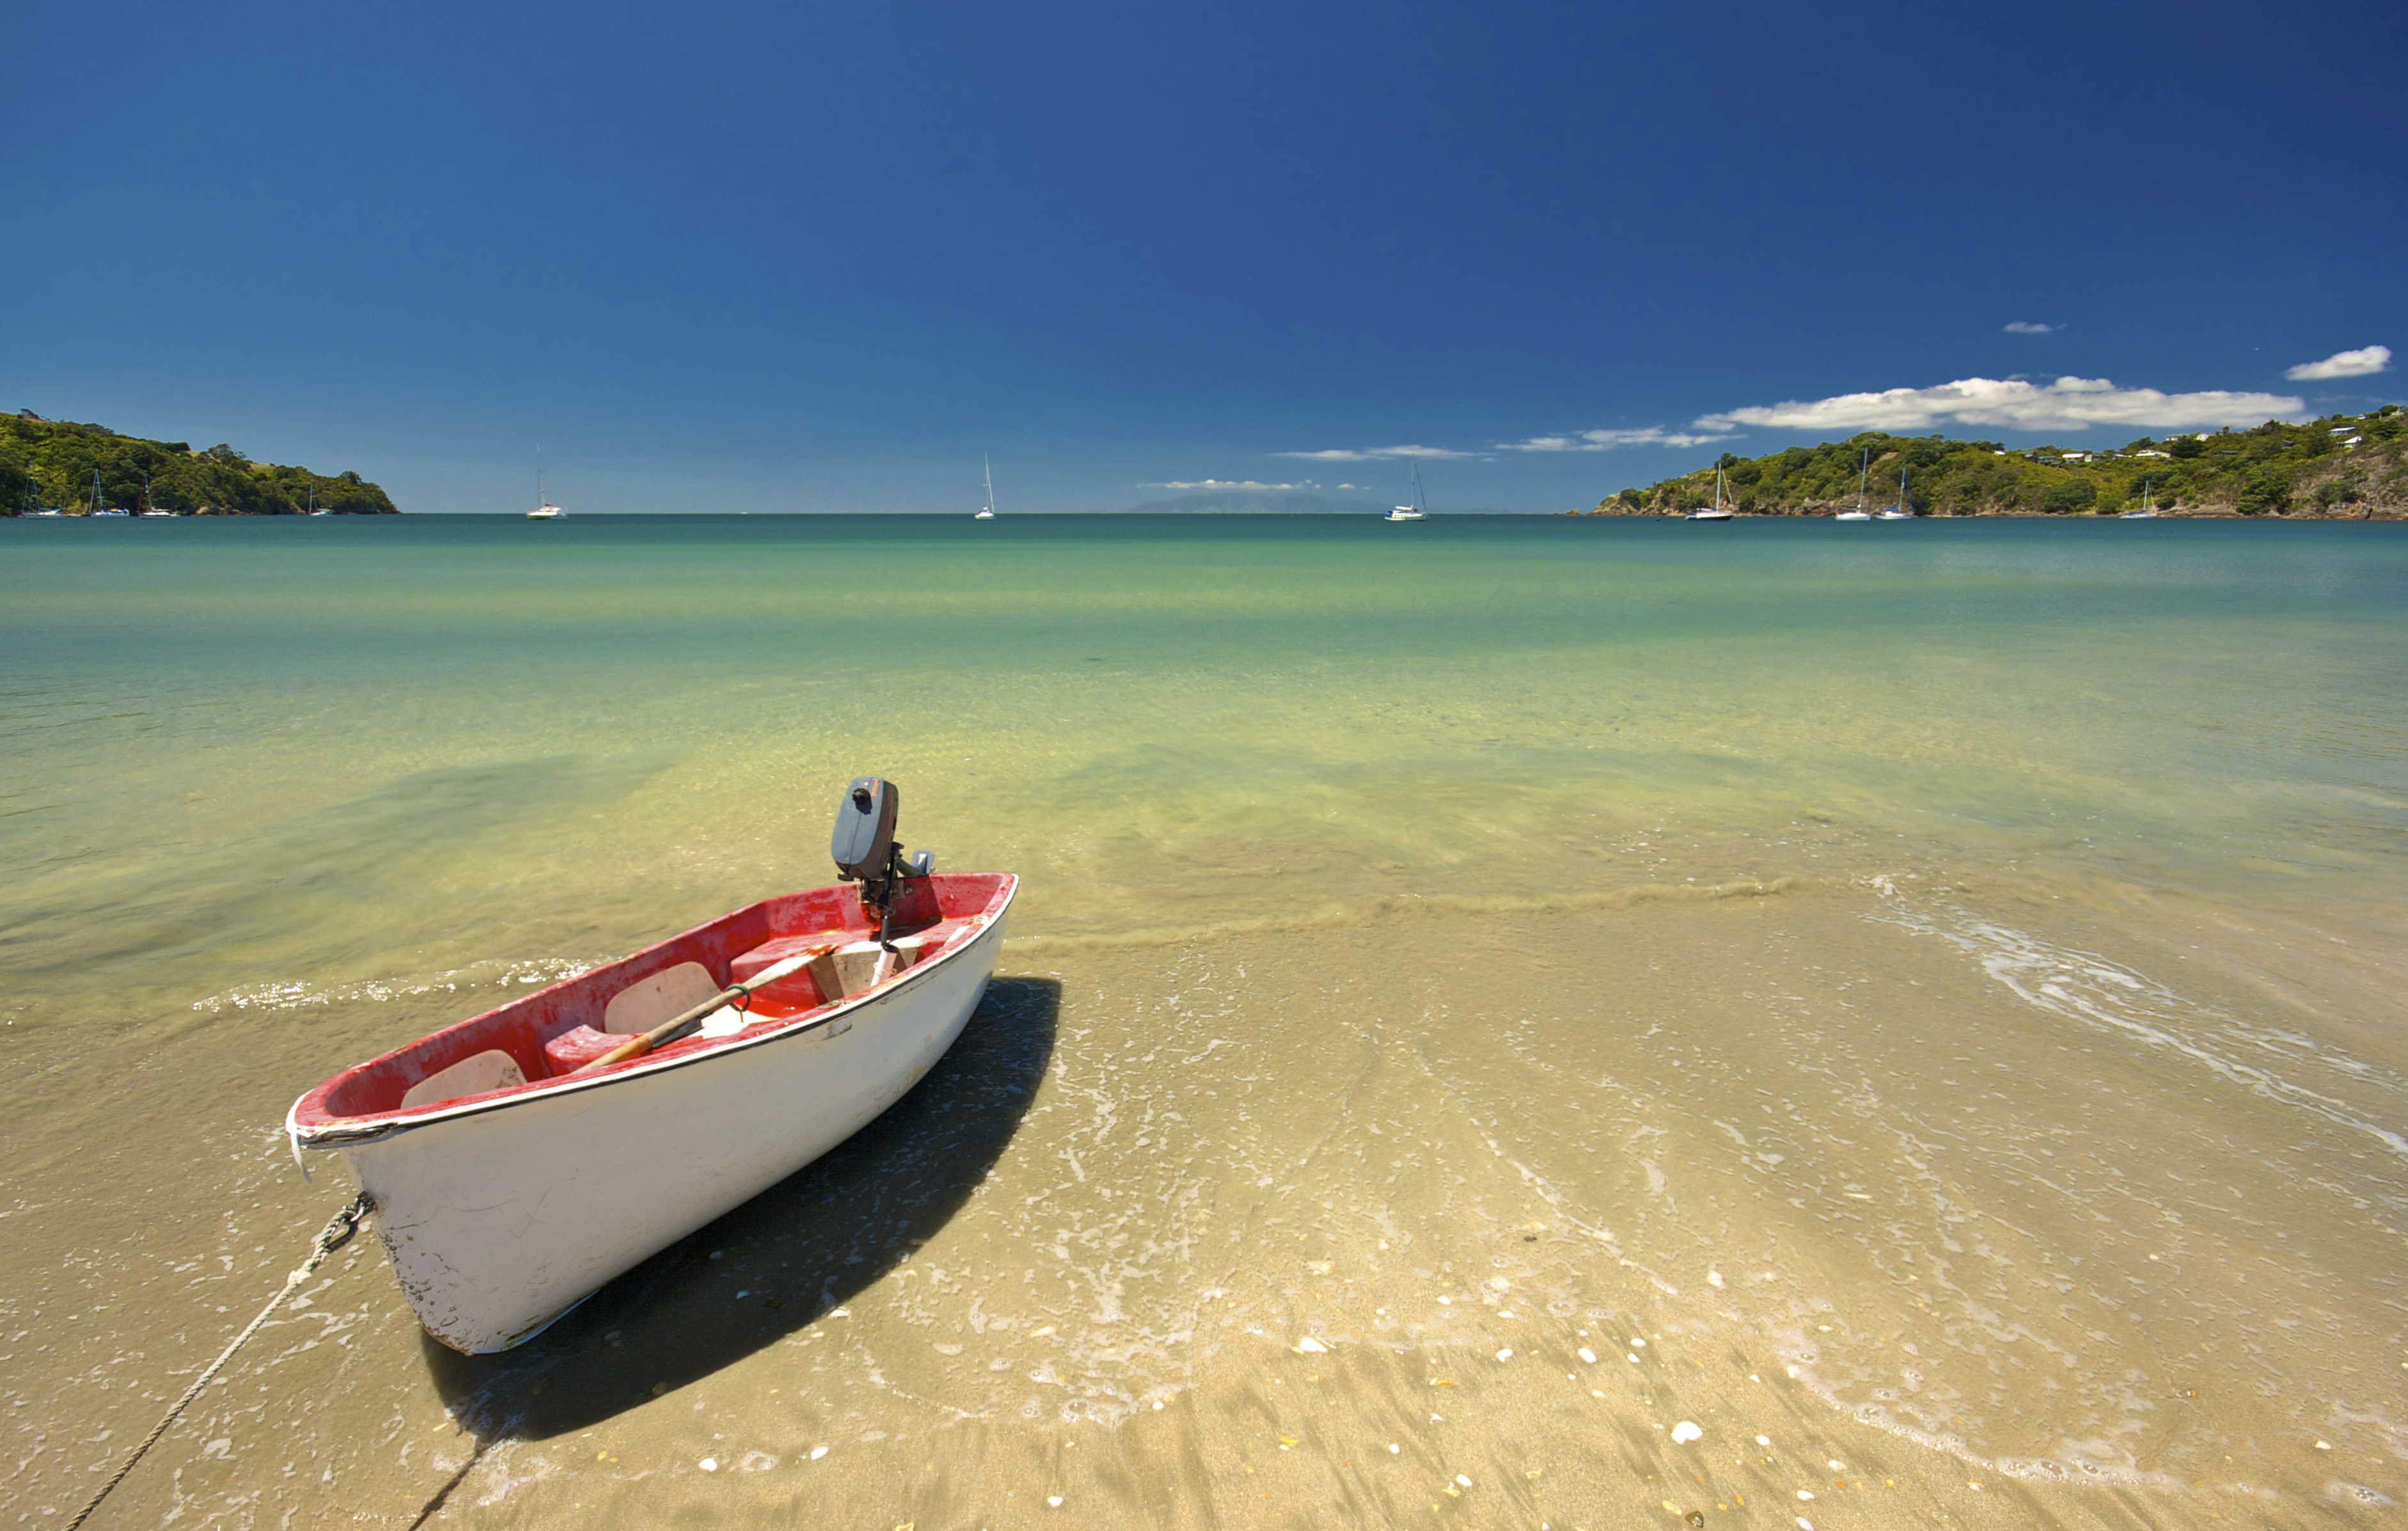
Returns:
(864,963)
(808,989)
(839,967)
(666,995)
(491,1069)
(577,1046)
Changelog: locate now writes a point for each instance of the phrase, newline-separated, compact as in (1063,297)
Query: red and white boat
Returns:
(514,1166)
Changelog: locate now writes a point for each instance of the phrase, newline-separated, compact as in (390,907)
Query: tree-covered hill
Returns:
(51,463)
(2339,466)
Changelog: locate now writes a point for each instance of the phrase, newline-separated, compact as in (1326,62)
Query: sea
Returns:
(1509,1021)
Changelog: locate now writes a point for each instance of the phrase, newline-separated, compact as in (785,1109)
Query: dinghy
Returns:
(520,1159)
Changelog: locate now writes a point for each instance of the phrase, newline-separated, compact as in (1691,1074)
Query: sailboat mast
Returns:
(989,462)
(1863,471)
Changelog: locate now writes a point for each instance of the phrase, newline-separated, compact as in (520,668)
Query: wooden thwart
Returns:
(669,1030)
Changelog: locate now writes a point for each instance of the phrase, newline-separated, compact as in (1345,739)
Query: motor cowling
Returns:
(863,842)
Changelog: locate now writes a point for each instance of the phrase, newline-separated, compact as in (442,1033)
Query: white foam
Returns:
(2084,987)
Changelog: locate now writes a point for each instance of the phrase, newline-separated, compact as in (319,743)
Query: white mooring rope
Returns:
(337,1234)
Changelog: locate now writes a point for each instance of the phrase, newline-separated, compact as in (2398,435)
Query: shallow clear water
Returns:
(1938,983)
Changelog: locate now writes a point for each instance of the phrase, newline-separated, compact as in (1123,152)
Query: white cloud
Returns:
(1350,455)
(1606,441)
(1231,484)
(2026,326)
(2345,364)
(2068,404)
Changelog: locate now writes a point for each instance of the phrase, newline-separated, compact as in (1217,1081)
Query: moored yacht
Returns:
(1904,509)
(97,508)
(544,509)
(1413,512)
(1714,512)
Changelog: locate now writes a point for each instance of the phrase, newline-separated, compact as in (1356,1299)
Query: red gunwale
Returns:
(362,1101)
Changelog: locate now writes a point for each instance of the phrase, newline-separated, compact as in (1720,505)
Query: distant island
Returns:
(49,464)
(2342,466)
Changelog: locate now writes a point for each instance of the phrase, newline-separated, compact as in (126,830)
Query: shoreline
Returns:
(1819,514)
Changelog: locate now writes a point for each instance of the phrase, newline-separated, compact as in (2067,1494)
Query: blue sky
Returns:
(723,256)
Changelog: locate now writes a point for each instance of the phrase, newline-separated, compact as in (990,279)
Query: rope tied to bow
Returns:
(339,1231)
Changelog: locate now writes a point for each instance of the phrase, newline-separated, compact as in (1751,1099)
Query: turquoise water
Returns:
(1476,814)
(1159,706)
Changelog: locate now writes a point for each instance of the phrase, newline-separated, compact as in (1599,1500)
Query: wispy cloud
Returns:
(1606,441)
(2070,403)
(2026,326)
(1232,484)
(2345,364)
(1374,454)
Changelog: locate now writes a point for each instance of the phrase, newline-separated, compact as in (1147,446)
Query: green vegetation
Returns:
(51,463)
(2341,465)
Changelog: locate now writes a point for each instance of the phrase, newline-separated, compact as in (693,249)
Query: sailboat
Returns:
(1904,509)
(544,509)
(149,506)
(96,508)
(2146,512)
(986,511)
(1863,471)
(1716,512)
(1413,512)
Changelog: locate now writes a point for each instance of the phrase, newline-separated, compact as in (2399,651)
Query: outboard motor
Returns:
(867,851)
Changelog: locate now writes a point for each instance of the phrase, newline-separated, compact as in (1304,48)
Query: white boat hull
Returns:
(500,1220)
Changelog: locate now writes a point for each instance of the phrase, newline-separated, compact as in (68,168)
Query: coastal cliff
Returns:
(2342,466)
(47,464)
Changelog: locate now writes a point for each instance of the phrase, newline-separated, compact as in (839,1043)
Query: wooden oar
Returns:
(669,1030)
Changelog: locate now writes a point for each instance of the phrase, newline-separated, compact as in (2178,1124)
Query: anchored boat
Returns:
(520,1159)
(1716,512)
(1413,512)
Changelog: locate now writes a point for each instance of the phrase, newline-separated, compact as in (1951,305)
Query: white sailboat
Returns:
(2146,512)
(1904,509)
(1716,513)
(986,511)
(1413,512)
(97,508)
(1863,471)
(544,509)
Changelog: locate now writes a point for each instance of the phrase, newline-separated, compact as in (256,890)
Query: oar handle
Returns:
(669,1030)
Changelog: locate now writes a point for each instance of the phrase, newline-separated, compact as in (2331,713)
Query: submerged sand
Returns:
(1579,1080)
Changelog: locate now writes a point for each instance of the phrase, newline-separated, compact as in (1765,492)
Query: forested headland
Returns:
(2339,466)
(49,464)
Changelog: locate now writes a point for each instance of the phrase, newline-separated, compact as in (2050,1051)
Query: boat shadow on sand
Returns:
(802,1246)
